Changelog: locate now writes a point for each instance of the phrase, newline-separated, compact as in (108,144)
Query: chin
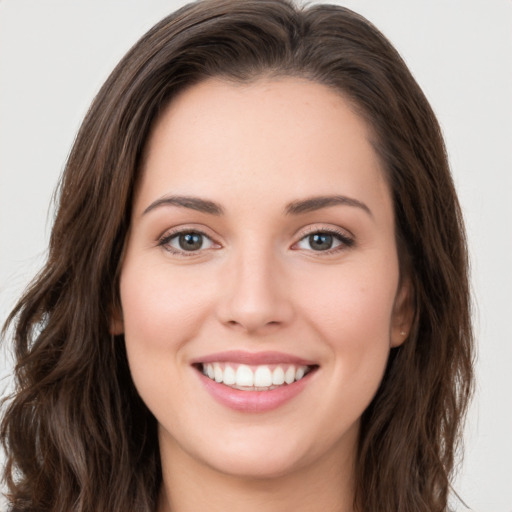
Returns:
(258,465)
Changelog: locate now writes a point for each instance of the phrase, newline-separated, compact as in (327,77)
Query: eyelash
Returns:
(345,241)
(168,237)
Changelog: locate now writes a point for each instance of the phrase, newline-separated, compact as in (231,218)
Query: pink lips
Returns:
(254,401)
(253,358)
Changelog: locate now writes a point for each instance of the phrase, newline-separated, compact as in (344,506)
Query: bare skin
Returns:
(304,490)
(263,224)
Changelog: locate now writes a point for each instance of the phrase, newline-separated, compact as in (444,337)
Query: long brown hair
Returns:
(77,435)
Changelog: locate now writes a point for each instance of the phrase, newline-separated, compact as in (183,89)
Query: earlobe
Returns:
(403,315)
(397,340)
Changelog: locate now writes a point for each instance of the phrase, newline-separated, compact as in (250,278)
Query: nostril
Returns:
(252,325)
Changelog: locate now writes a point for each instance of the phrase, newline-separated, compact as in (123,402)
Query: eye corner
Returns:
(331,241)
(195,242)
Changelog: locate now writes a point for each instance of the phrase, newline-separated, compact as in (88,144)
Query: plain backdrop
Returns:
(55,54)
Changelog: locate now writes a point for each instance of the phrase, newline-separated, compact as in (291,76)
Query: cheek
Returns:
(162,312)
(161,308)
(350,307)
(352,313)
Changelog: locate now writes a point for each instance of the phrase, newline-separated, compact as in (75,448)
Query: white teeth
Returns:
(278,376)
(289,376)
(217,372)
(229,376)
(261,376)
(244,376)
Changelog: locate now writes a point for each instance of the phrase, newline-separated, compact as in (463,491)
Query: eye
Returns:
(324,241)
(186,242)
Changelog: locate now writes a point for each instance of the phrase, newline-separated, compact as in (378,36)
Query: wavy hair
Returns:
(76,434)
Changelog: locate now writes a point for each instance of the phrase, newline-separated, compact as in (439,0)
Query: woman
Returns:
(256,294)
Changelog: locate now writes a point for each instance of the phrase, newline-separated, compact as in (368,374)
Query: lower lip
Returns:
(254,401)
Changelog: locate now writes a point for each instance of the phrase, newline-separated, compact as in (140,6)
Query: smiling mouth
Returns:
(254,377)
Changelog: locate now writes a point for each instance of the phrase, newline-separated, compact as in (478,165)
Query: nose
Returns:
(256,297)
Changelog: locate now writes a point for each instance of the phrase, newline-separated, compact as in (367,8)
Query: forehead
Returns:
(273,138)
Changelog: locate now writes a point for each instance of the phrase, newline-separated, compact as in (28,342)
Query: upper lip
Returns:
(253,358)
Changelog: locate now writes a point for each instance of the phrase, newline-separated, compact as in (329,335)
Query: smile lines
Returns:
(254,378)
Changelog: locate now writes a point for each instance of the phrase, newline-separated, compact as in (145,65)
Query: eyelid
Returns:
(344,236)
(164,239)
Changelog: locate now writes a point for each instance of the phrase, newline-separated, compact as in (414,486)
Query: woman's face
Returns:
(260,285)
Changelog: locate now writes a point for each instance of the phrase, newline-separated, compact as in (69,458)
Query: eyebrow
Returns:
(194,203)
(319,202)
(294,208)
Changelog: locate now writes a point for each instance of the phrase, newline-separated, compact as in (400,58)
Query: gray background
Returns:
(55,54)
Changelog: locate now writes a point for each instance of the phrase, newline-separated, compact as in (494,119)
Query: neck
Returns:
(189,486)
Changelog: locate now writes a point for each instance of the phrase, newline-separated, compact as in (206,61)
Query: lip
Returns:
(253,358)
(253,401)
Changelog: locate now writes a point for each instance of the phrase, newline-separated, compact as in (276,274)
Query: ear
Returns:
(116,325)
(403,314)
